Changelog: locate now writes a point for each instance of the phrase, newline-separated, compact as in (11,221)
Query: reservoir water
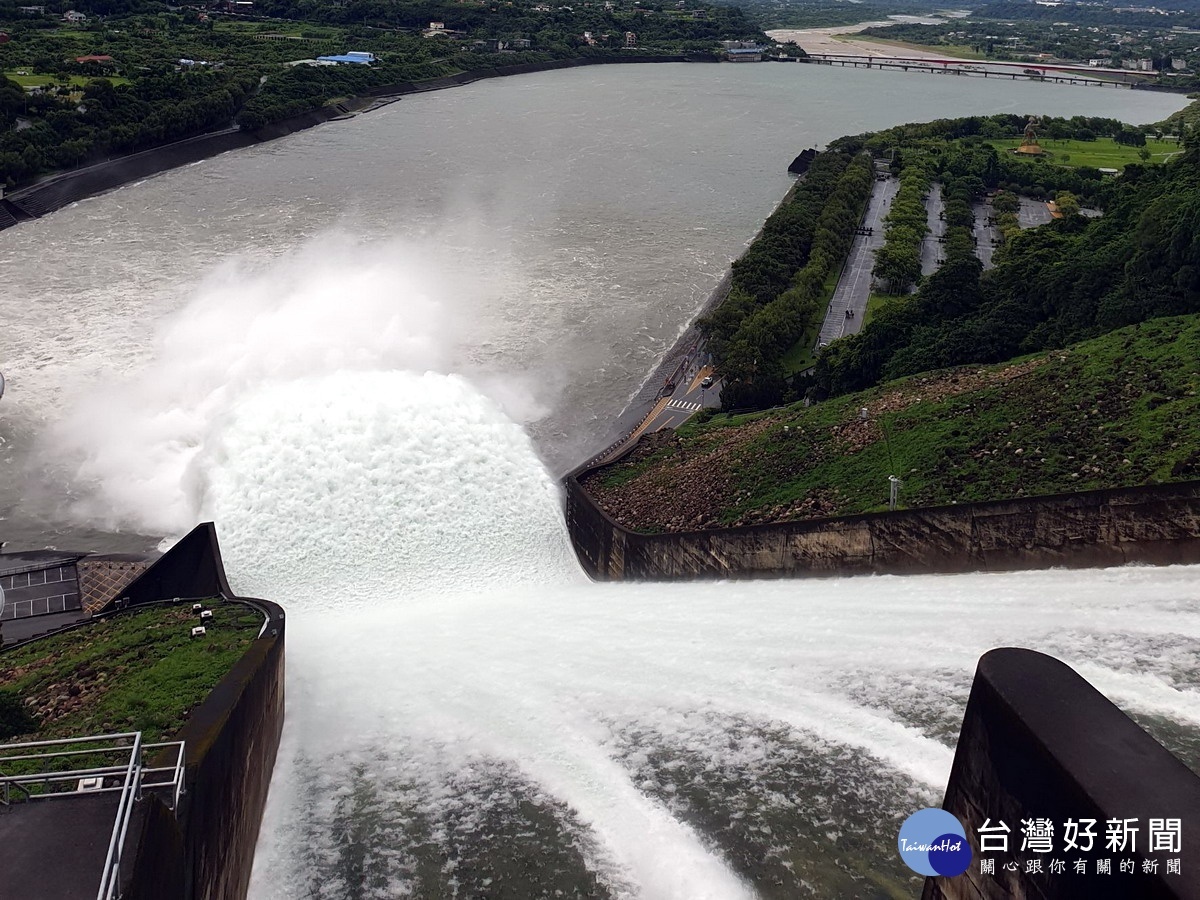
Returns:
(366,350)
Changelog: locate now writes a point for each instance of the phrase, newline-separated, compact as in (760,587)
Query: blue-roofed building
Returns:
(744,54)
(359,57)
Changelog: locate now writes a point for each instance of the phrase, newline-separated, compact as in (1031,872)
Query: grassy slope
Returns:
(1102,153)
(76,80)
(1119,410)
(137,671)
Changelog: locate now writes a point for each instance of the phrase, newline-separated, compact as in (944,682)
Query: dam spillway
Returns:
(370,391)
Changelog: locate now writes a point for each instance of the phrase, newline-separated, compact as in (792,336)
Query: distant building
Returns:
(72,16)
(743,52)
(498,46)
(32,10)
(1178,64)
(354,57)
(101,60)
(630,40)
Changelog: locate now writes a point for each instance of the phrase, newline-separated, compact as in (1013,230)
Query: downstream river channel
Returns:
(367,350)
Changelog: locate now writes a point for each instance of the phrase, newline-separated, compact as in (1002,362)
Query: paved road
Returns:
(689,398)
(931,246)
(985,234)
(1033,213)
(854,286)
(19,629)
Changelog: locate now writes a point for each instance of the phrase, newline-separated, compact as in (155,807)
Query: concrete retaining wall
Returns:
(206,852)
(1157,524)
(1040,742)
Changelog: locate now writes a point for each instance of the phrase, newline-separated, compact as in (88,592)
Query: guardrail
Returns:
(117,767)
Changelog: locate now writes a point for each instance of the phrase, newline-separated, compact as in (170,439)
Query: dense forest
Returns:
(1184,13)
(1067,281)
(778,287)
(1070,280)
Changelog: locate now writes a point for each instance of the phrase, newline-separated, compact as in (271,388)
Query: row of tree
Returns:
(1063,282)
(750,339)
(898,262)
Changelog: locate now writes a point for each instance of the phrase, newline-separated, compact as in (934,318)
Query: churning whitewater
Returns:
(467,715)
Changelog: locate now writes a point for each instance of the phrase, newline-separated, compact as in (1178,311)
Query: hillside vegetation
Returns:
(138,671)
(1065,282)
(1121,410)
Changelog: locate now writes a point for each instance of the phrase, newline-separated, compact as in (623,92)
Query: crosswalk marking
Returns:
(684,405)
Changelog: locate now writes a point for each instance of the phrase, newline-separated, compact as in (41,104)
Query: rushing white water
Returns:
(448,665)
(465,710)
(468,716)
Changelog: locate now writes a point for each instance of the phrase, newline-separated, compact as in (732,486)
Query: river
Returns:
(365,351)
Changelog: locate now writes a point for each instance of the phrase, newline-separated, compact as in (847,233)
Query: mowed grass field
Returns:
(1102,153)
(24,79)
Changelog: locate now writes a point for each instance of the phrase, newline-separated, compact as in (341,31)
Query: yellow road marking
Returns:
(704,372)
(654,414)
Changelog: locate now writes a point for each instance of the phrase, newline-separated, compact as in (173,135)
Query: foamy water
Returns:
(468,716)
(465,711)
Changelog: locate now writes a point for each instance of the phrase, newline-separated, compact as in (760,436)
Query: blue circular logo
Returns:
(933,842)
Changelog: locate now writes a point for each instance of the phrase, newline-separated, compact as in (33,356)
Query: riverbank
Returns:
(57,191)
(965,435)
(837,40)
(688,347)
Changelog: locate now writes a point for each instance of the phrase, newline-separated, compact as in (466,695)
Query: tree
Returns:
(1067,203)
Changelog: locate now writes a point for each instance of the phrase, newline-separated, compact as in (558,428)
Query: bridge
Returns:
(1058,73)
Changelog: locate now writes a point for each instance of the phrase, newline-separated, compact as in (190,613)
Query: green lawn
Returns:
(138,671)
(801,356)
(1102,153)
(25,80)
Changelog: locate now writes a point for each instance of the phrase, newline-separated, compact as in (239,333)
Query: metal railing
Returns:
(111,763)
